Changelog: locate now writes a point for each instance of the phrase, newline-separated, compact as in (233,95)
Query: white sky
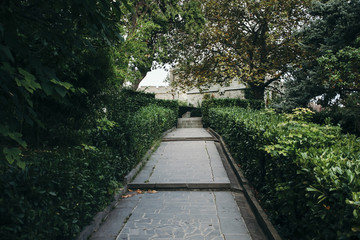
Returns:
(155,77)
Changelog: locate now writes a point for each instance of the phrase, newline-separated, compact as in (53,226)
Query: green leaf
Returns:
(12,154)
(52,194)
(47,88)
(312,189)
(17,137)
(61,91)
(28,82)
(21,164)
(66,85)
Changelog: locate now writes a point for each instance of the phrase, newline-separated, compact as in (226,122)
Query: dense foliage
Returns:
(306,175)
(250,41)
(61,188)
(228,102)
(329,70)
(147,28)
(50,50)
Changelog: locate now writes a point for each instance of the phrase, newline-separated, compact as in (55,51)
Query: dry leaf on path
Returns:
(152,191)
(127,195)
(139,191)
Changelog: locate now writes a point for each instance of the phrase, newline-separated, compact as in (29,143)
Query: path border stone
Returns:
(259,212)
(101,216)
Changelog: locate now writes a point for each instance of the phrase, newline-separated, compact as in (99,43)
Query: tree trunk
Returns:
(136,84)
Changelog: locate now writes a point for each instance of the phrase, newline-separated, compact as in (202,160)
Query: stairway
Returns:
(190,122)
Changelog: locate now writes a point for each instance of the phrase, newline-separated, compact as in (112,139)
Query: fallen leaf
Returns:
(152,191)
(139,191)
(127,195)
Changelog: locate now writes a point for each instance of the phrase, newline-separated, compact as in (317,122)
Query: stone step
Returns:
(180,186)
(194,122)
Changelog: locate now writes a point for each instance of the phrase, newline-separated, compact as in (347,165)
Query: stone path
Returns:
(202,207)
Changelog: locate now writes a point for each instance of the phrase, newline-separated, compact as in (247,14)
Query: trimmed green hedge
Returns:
(63,187)
(150,122)
(307,176)
(228,102)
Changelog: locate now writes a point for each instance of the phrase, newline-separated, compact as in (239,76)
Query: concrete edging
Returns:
(260,214)
(101,216)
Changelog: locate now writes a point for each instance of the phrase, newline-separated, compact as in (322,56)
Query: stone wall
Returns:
(194,97)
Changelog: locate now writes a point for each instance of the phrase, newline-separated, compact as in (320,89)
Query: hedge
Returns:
(63,187)
(306,176)
(228,102)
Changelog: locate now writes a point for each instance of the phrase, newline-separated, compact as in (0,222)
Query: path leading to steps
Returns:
(193,197)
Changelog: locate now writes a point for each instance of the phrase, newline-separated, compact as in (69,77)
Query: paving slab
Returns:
(188,133)
(176,215)
(184,162)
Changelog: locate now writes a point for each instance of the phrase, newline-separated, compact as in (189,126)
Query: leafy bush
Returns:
(56,194)
(347,117)
(306,175)
(61,188)
(149,123)
(228,102)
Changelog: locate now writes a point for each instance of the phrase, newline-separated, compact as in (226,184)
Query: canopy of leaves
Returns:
(145,28)
(331,45)
(252,41)
(46,50)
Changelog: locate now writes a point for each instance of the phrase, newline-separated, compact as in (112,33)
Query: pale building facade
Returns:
(194,97)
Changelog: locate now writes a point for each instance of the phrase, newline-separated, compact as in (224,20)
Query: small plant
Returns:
(300,114)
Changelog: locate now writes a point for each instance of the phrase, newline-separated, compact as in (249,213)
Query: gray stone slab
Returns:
(188,133)
(180,186)
(175,215)
(116,219)
(184,162)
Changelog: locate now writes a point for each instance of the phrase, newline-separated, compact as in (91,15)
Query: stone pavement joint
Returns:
(194,198)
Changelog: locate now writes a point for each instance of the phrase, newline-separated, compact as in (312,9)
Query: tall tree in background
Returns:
(252,41)
(144,28)
(331,45)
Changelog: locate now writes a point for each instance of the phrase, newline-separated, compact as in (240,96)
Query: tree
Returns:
(252,41)
(331,44)
(44,46)
(145,27)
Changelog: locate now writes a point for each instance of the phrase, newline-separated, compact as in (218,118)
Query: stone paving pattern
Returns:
(188,133)
(205,215)
(199,159)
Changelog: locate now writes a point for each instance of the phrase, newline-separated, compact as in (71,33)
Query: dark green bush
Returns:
(307,175)
(228,102)
(195,112)
(348,118)
(62,188)
(57,193)
(149,123)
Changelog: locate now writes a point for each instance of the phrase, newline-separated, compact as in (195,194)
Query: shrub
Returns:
(57,193)
(228,102)
(307,175)
(149,123)
(62,188)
